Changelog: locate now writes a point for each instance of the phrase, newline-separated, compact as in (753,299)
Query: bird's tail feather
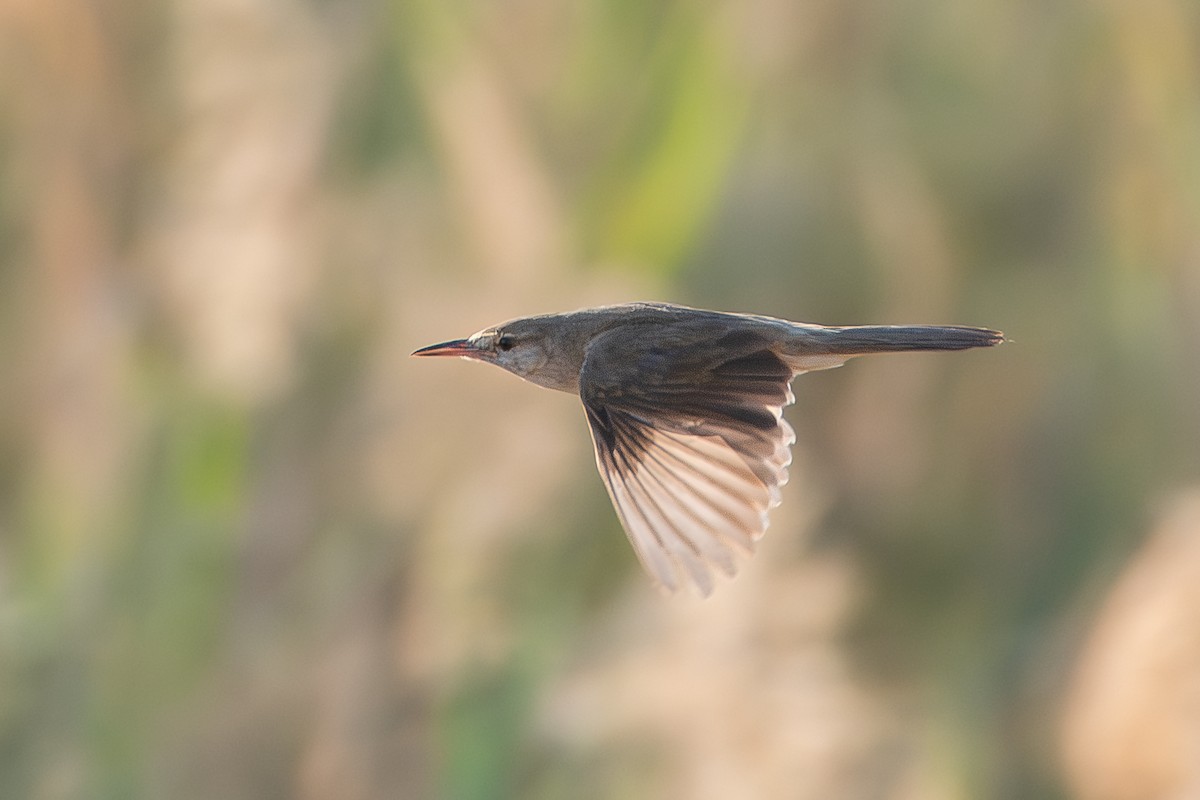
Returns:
(863,339)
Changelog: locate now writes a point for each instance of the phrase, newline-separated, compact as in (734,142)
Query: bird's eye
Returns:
(505,343)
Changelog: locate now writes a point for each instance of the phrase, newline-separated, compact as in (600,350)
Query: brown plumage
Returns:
(686,412)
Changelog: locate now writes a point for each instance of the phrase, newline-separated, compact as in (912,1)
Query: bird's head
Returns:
(538,349)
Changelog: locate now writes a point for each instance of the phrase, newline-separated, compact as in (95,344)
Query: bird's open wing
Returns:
(692,447)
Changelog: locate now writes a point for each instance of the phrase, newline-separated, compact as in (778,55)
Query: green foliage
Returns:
(247,549)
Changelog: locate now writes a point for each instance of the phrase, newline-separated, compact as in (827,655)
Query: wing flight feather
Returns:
(694,463)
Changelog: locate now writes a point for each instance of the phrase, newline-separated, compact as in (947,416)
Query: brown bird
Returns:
(686,411)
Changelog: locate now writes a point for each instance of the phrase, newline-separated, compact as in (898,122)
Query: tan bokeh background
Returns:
(250,549)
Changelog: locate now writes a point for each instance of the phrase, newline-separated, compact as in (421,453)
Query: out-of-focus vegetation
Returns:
(249,549)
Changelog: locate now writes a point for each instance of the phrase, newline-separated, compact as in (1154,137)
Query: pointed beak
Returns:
(457,347)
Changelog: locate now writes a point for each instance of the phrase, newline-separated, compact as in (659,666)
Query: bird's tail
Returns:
(864,339)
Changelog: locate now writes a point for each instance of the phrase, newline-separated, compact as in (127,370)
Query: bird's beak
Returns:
(457,347)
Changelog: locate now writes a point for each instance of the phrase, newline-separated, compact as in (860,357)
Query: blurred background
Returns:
(250,549)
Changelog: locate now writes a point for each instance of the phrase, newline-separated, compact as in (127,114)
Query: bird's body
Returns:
(685,408)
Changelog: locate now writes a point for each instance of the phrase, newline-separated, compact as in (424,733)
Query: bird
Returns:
(685,408)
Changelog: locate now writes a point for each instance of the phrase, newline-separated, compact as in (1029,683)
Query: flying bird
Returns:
(685,408)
